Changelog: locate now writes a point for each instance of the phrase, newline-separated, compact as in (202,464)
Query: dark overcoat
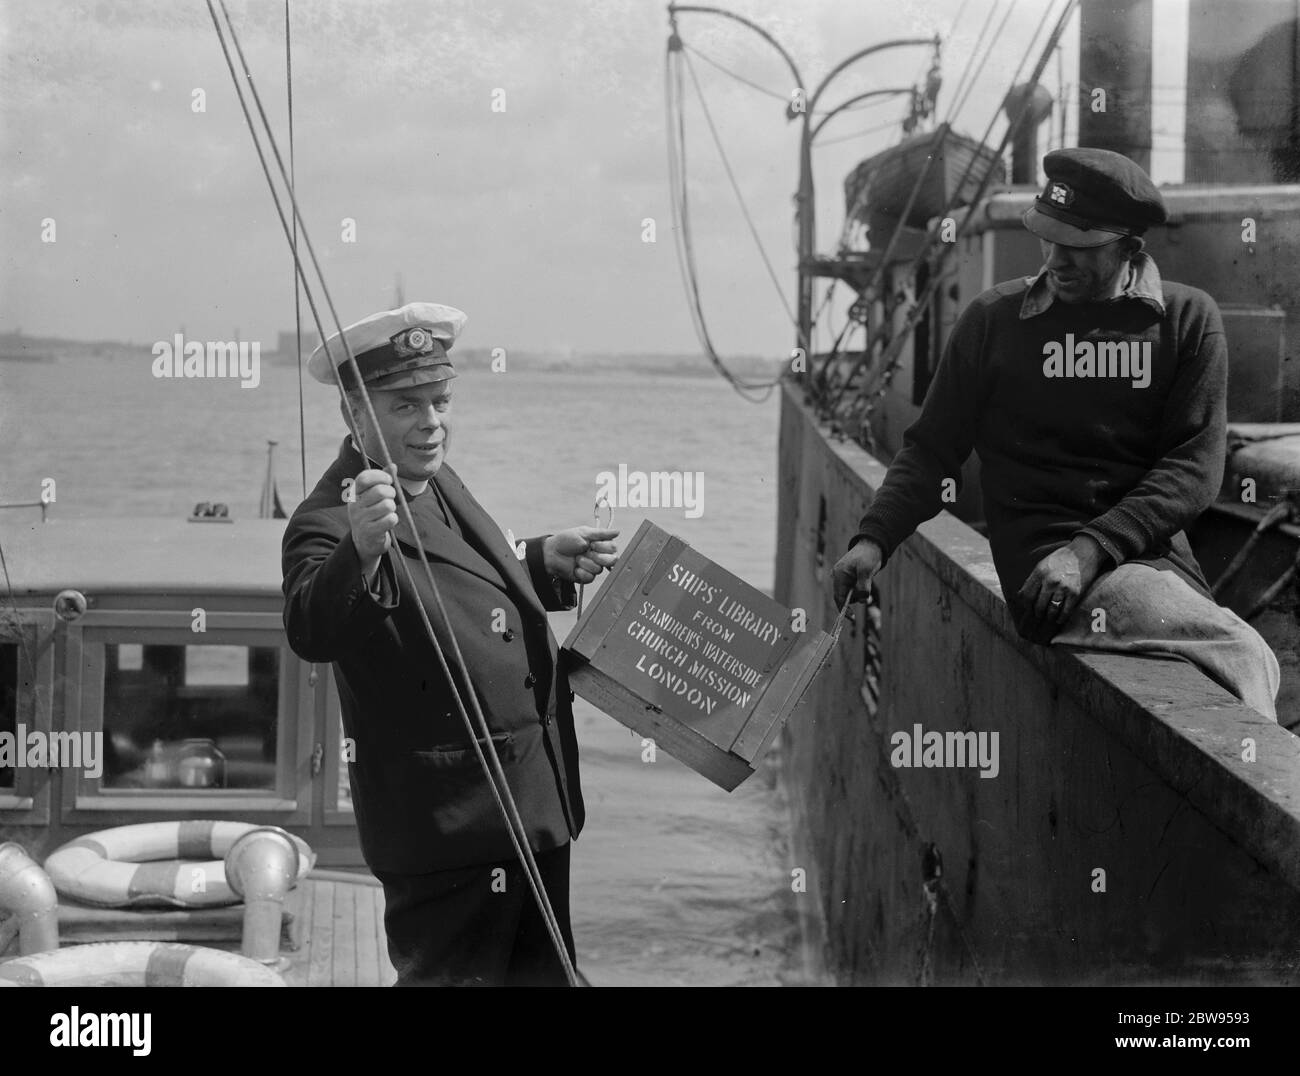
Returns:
(421,799)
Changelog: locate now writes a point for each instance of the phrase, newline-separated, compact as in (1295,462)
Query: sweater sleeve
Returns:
(1193,442)
(936,445)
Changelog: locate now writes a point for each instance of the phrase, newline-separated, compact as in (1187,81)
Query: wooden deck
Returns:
(333,932)
(338,928)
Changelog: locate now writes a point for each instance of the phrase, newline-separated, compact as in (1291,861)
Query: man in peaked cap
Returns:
(1095,395)
(459,910)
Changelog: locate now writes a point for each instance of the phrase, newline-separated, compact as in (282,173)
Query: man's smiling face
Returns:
(1086,274)
(414,423)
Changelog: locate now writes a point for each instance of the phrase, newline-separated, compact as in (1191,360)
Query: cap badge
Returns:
(1060,194)
(412,342)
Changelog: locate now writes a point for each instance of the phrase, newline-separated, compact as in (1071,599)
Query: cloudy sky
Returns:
(529,219)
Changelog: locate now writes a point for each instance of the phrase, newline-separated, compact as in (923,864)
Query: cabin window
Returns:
(205,722)
(194,716)
(26,691)
(8,707)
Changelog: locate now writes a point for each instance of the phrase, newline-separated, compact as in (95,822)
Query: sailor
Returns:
(1095,395)
(459,909)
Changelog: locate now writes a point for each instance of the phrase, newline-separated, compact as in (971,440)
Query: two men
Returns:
(459,909)
(1095,394)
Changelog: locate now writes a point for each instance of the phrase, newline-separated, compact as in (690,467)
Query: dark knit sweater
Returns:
(1064,455)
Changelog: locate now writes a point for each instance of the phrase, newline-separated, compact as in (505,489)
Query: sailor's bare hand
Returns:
(1058,582)
(854,570)
(372,513)
(580,554)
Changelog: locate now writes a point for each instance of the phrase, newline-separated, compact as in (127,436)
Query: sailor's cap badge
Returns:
(411,342)
(1060,194)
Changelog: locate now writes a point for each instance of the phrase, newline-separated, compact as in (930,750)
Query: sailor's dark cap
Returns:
(1092,197)
(394,349)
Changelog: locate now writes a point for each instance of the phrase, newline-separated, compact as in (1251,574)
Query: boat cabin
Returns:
(145,675)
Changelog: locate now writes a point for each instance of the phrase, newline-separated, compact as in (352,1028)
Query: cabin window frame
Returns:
(28,801)
(85,800)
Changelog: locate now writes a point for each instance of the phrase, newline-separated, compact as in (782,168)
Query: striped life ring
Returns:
(136,964)
(174,863)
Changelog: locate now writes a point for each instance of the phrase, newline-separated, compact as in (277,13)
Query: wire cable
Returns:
(959,90)
(674,102)
(297,303)
(822,143)
(771,93)
(979,70)
(740,198)
(492,764)
(922,301)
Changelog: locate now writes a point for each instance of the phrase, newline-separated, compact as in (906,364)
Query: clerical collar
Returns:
(1142,283)
(380,467)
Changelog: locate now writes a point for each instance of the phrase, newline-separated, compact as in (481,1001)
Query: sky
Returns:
(531,218)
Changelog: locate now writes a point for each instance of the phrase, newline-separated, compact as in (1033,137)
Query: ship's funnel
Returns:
(27,892)
(262,867)
(1026,105)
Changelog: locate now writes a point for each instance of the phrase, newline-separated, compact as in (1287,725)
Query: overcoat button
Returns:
(530,680)
(509,635)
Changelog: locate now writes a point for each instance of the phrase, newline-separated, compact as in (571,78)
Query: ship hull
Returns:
(1123,838)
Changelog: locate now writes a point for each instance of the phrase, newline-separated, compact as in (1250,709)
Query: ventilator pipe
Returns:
(27,892)
(262,866)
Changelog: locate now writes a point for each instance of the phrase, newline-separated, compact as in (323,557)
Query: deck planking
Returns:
(334,933)
(344,949)
(340,932)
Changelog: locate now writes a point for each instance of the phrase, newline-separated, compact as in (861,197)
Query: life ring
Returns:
(136,964)
(175,863)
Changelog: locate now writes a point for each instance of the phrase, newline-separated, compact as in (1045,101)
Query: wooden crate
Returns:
(685,653)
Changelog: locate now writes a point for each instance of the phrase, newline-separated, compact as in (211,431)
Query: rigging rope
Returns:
(739,78)
(491,765)
(297,305)
(919,307)
(740,198)
(772,93)
(958,90)
(935,145)
(856,134)
(997,34)
(894,349)
(679,195)
(933,151)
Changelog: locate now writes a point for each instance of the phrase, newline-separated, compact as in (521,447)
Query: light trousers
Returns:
(1147,610)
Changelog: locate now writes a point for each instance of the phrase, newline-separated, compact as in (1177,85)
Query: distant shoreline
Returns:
(686,365)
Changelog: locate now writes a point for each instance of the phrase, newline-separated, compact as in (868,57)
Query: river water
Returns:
(674,880)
